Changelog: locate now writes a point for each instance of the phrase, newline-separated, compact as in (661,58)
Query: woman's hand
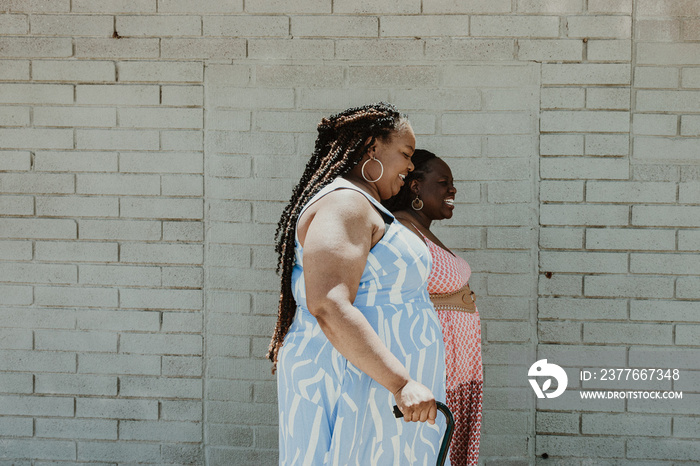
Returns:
(416,402)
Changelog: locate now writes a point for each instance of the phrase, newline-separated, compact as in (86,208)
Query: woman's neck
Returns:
(367,187)
(415,216)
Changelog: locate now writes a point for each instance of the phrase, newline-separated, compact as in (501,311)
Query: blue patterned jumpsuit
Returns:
(332,413)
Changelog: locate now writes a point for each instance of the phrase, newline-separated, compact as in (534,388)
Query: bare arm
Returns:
(336,245)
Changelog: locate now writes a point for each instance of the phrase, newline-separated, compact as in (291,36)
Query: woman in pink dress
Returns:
(428,195)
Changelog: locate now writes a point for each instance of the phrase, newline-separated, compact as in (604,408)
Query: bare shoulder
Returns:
(341,208)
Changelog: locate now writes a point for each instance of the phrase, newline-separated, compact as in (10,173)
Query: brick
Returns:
(612,99)
(510,99)
(183,95)
(203,48)
(162,208)
(631,239)
(92,429)
(616,333)
(14,116)
(168,162)
(160,387)
(490,76)
(561,144)
(277,121)
(119,275)
(182,366)
(122,452)
(119,364)
(249,26)
(583,262)
(38,362)
(36,47)
(120,229)
(160,431)
(17,205)
(508,192)
(227,434)
(682,216)
(72,25)
(668,54)
(16,427)
(655,77)
(587,121)
(311,76)
(162,253)
(609,50)
(690,125)
(116,48)
(665,30)
(38,228)
(183,454)
(689,240)
(75,341)
(139,71)
(584,168)
(686,427)
(75,297)
(591,74)
(476,6)
(161,299)
(183,231)
(36,183)
(15,160)
(672,264)
(687,334)
(158,26)
(41,449)
(660,125)
(231,120)
(470,49)
(16,295)
(14,93)
(630,192)
(582,309)
(515,26)
(656,172)
(182,185)
(628,286)
(21,138)
(256,98)
(73,70)
(559,332)
(544,6)
(561,238)
(181,139)
(16,250)
(561,98)
(550,50)
(14,70)
(117,94)
(38,273)
(36,405)
(161,344)
(181,410)
(486,123)
(71,206)
(633,425)
(673,101)
(292,49)
(557,423)
(74,116)
(583,215)
(663,448)
(118,184)
(507,332)
(75,161)
(116,6)
(610,6)
(117,140)
(183,321)
(76,384)
(119,320)
(15,339)
(366,7)
(23,317)
(599,26)
(161,117)
(421,26)
(667,8)
(204,6)
(384,49)
(14,24)
(561,191)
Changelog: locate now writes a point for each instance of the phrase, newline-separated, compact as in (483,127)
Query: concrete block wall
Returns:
(147,148)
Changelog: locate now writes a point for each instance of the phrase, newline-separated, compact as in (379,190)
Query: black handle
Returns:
(442,456)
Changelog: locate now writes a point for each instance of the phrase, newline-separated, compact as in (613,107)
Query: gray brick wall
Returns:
(147,148)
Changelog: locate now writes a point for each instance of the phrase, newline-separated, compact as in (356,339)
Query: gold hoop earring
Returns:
(363,170)
(417,203)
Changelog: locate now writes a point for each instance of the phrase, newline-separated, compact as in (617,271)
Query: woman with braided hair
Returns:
(356,331)
(427,195)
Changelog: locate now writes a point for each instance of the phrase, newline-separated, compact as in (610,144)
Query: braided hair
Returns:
(343,139)
(421,166)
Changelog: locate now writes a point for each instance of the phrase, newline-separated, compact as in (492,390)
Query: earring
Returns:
(363,170)
(417,203)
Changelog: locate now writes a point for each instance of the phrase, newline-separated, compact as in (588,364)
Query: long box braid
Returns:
(343,139)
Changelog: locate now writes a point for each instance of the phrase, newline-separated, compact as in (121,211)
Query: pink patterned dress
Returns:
(462,337)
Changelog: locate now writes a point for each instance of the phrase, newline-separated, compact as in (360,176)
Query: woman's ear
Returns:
(415,187)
